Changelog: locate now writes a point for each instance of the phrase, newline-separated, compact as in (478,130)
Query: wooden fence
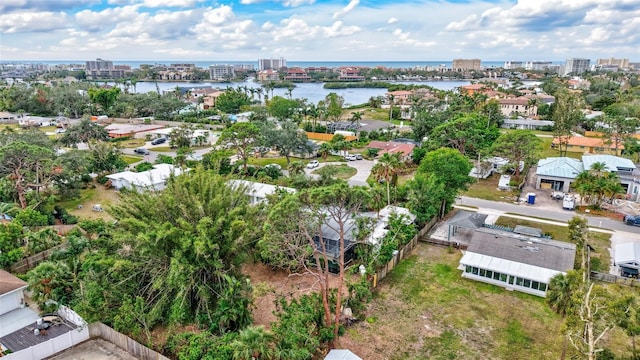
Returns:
(28,263)
(139,351)
(402,253)
(610,278)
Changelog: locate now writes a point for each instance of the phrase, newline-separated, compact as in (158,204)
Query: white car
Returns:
(350,157)
(313,164)
(277,166)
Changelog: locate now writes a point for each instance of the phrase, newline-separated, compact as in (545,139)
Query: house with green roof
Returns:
(557,173)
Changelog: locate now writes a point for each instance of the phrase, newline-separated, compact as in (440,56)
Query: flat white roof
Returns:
(531,272)
(627,253)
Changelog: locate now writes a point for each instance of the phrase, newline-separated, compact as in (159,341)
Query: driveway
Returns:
(363,168)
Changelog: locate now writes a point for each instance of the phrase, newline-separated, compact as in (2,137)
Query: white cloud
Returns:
(392,21)
(32,21)
(107,18)
(347,9)
(170,3)
(289,3)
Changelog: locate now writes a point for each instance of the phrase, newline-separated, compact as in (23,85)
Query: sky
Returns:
(318,30)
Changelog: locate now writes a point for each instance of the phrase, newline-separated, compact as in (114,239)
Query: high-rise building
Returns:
(511,65)
(466,64)
(620,63)
(576,66)
(221,72)
(99,64)
(275,64)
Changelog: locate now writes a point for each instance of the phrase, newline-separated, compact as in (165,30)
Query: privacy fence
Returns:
(402,253)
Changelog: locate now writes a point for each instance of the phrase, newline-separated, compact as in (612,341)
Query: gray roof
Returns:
(526,230)
(336,354)
(544,253)
(563,167)
(468,219)
(613,163)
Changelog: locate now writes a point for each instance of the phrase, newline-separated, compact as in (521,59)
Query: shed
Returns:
(516,262)
(627,257)
(11,292)
(526,230)
(466,220)
(337,354)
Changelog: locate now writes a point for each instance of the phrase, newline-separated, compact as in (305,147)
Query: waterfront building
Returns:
(272,64)
(466,64)
(613,63)
(221,72)
(576,66)
(99,64)
(512,65)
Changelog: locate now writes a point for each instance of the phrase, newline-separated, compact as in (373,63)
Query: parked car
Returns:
(632,220)
(159,141)
(350,157)
(141,151)
(313,164)
(359,157)
(60,131)
(276,166)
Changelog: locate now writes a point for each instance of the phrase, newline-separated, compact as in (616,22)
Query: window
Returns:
(475,271)
(511,280)
(542,287)
(483,272)
(503,277)
(527,283)
(467,269)
(534,285)
(489,274)
(519,281)
(496,276)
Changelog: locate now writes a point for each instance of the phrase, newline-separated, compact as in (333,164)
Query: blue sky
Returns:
(318,30)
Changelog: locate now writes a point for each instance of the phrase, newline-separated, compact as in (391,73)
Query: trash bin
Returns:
(531,198)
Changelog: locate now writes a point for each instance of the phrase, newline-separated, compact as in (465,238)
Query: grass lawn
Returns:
(600,242)
(342,171)
(487,189)
(130,159)
(88,198)
(46,129)
(132,143)
(425,310)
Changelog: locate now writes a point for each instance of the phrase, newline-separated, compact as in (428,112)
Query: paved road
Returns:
(560,215)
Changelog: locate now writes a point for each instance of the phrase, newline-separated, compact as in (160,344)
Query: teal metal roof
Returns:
(563,167)
(613,163)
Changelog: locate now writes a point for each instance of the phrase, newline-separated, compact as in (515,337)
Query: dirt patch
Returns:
(269,284)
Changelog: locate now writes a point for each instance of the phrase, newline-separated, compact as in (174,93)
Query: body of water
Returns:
(313,92)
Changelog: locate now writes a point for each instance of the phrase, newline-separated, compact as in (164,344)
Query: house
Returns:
(515,261)
(11,292)
(350,74)
(130,130)
(8,118)
(519,106)
(529,124)
(328,241)
(391,147)
(471,89)
(256,191)
(153,180)
(13,312)
(590,145)
(557,173)
(209,99)
(627,258)
(268,75)
(385,214)
(297,75)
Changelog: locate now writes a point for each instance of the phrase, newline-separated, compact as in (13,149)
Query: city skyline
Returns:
(318,30)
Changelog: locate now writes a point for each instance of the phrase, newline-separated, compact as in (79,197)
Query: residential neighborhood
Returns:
(504,204)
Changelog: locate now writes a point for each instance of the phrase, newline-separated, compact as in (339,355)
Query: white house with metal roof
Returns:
(557,173)
(154,179)
(514,261)
(257,191)
(627,258)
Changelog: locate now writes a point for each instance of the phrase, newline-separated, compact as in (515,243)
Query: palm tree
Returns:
(356,116)
(290,88)
(391,100)
(387,169)
(253,343)
(8,208)
(296,167)
(324,150)
(559,297)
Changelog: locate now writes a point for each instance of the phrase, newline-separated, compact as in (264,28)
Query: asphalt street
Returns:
(547,213)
